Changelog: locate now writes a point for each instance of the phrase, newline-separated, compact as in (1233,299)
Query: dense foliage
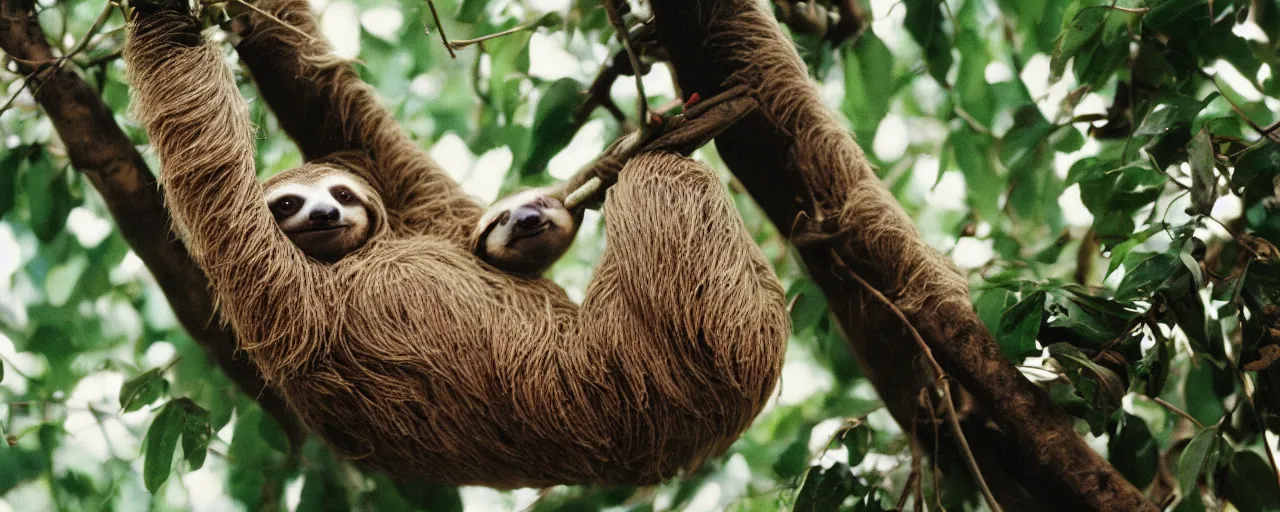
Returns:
(1105,172)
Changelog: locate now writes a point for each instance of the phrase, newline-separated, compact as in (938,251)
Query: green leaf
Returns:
(808,307)
(272,434)
(1204,179)
(1144,273)
(825,489)
(1020,325)
(1251,484)
(428,496)
(1132,450)
(1166,14)
(9,166)
(470,11)
(1255,170)
(857,441)
(868,90)
(553,124)
(794,458)
(142,390)
(161,440)
(1192,461)
(196,433)
(1120,251)
(983,184)
(1103,54)
(1202,403)
(1177,110)
(48,197)
(992,304)
(1082,30)
(924,23)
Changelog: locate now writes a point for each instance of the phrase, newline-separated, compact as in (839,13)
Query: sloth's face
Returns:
(526,233)
(327,218)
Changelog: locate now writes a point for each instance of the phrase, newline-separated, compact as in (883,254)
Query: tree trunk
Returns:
(795,158)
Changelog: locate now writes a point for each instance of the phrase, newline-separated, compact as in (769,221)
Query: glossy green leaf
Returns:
(1204,178)
(1084,28)
(48,197)
(161,441)
(868,90)
(824,489)
(553,124)
(10,164)
(924,22)
(196,433)
(142,390)
(1251,484)
(808,305)
(1132,450)
(1020,325)
(1192,461)
(858,441)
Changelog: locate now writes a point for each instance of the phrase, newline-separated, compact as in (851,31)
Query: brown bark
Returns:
(717,42)
(99,149)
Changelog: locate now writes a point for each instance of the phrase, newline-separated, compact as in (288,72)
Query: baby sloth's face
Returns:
(327,218)
(525,233)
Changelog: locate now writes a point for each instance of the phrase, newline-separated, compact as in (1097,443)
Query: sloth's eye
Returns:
(343,195)
(286,206)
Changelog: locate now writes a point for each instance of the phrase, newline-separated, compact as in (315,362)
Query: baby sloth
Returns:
(526,232)
(324,211)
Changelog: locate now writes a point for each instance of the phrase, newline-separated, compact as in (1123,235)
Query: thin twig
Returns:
(458,44)
(1265,132)
(642,100)
(57,64)
(940,377)
(279,21)
(1178,411)
(440,27)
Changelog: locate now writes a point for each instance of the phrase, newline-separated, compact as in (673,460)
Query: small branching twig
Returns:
(56,65)
(276,20)
(458,44)
(940,375)
(698,124)
(440,28)
(642,100)
(1178,411)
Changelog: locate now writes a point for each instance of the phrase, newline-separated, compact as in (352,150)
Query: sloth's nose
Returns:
(527,218)
(322,213)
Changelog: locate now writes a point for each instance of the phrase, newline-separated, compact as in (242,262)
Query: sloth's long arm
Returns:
(325,107)
(185,95)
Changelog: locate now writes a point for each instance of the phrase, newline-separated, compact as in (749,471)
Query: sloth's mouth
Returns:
(530,233)
(321,228)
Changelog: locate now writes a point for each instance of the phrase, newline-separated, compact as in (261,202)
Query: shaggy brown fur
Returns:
(413,357)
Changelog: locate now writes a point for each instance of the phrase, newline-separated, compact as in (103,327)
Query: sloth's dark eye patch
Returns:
(503,218)
(343,194)
(286,206)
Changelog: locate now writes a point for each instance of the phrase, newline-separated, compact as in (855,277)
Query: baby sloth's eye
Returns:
(286,206)
(343,195)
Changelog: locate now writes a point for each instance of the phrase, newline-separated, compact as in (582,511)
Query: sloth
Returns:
(352,283)
(526,232)
(323,210)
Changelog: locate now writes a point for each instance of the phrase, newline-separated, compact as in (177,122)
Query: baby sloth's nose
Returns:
(527,218)
(325,213)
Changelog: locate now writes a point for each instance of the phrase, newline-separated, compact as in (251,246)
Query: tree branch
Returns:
(99,149)
(794,157)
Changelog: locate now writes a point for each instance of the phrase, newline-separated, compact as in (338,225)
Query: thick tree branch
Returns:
(793,157)
(99,149)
